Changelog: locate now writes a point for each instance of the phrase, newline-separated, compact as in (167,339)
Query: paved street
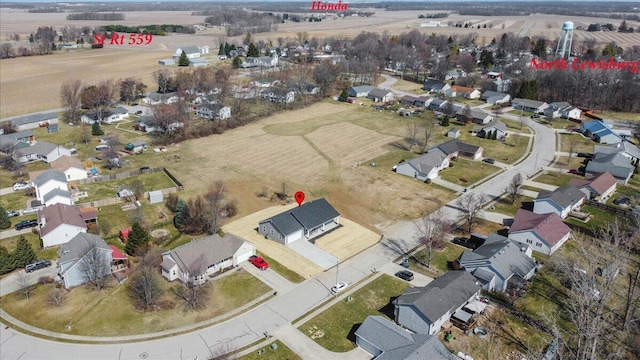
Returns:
(11,284)
(275,315)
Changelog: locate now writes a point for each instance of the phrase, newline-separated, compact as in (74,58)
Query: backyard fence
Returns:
(609,208)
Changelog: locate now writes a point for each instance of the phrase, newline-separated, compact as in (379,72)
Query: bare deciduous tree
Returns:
(191,291)
(25,287)
(95,265)
(413,129)
(56,296)
(71,98)
(514,187)
(471,205)
(144,287)
(431,231)
(215,197)
(429,129)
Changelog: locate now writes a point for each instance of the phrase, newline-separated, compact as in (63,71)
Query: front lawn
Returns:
(503,206)
(555,178)
(466,172)
(334,328)
(110,312)
(281,352)
(439,258)
(580,143)
(290,275)
(50,253)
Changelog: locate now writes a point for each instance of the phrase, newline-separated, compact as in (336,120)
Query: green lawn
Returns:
(392,157)
(556,178)
(559,123)
(290,275)
(515,125)
(503,206)
(466,172)
(333,327)
(599,219)
(49,253)
(282,352)
(110,312)
(108,189)
(573,163)
(580,143)
(439,258)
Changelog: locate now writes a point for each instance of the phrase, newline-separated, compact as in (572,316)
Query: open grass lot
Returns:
(466,172)
(556,178)
(110,313)
(439,258)
(17,200)
(334,327)
(348,240)
(559,123)
(282,352)
(503,206)
(408,86)
(108,189)
(580,143)
(516,126)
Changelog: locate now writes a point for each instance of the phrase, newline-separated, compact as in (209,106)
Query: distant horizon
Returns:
(294,1)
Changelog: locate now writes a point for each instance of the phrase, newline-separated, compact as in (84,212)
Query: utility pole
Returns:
(337,267)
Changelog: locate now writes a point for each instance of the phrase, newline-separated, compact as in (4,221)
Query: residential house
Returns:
(145,124)
(599,132)
(42,150)
(555,109)
(425,166)
(307,221)
(280,95)
(495,98)
(59,223)
(194,261)
(49,180)
(454,74)
(11,140)
(381,95)
(86,257)
(598,187)
(499,264)
(155,98)
(34,121)
(625,148)
(310,89)
(478,116)
(495,126)
(456,148)
(571,112)
(56,196)
(359,91)
(106,116)
(135,147)
(71,166)
(535,106)
(435,86)
(464,92)
(425,309)
(545,233)
(438,105)
(213,111)
(561,201)
(423,101)
(191,52)
(616,164)
(408,100)
(388,341)
(262,61)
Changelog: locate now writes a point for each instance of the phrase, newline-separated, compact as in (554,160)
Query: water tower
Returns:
(565,41)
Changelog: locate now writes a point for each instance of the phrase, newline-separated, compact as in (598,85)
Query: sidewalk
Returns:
(539,185)
(448,185)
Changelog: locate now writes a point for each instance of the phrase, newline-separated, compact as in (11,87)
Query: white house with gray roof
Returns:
(495,97)
(84,258)
(42,150)
(359,91)
(497,126)
(7,141)
(191,52)
(194,261)
(616,164)
(48,181)
(425,166)
(307,221)
(59,223)
(561,201)
(529,105)
(34,121)
(381,95)
(499,264)
(388,341)
(425,309)
(56,196)
(627,149)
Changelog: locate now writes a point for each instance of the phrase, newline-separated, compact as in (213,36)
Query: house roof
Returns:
(432,84)
(308,216)
(462,89)
(408,98)
(56,192)
(599,183)
(379,93)
(478,114)
(427,161)
(66,162)
(28,119)
(528,102)
(362,88)
(116,254)
(58,214)
(438,102)
(616,164)
(450,291)
(559,105)
(426,347)
(191,49)
(211,249)
(564,196)
(48,175)
(500,255)
(40,148)
(548,226)
(489,94)
(621,147)
(453,146)
(77,248)
(497,124)
(15,137)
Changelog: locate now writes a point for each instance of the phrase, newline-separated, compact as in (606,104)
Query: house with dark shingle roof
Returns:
(9,141)
(625,148)
(560,201)
(408,100)
(425,166)
(307,221)
(194,261)
(425,309)
(82,253)
(34,121)
(496,126)
(359,91)
(381,95)
(494,97)
(42,150)
(596,187)
(544,233)
(529,105)
(455,148)
(499,264)
(435,86)
(56,196)
(616,164)
(59,223)
(388,341)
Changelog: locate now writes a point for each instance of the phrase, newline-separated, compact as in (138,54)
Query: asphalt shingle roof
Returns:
(453,146)
(211,249)
(378,93)
(308,216)
(548,226)
(55,192)
(58,214)
(48,175)
(78,246)
(28,119)
(599,183)
(564,196)
(616,164)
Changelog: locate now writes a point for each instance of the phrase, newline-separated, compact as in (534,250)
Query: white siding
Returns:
(74,174)
(546,206)
(61,235)
(530,238)
(41,191)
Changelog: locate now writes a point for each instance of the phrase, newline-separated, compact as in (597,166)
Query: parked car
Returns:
(339,287)
(139,112)
(489,160)
(405,275)
(21,185)
(26,224)
(575,172)
(13,213)
(37,265)
(29,211)
(535,116)
(259,262)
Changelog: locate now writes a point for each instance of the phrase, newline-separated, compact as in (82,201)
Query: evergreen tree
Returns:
(178,219)
(446,121)
(253,51)
(31,39)
(5,223)
(96,129)
(529,90)
(494,135)
(138,238)
(6,261)
(23,253)
(486,59)
(540,48)
(343,95)
(221,50)
(227,48)
(237,62)
(184,60)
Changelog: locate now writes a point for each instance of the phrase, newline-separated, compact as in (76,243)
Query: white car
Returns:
(21,186)
(29,211)
(339,287)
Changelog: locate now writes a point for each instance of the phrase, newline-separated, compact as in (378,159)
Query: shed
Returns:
(453,133)
(52,128)
(155,197)
(124,234)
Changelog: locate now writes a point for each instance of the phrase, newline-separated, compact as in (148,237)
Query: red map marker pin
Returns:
(299,197)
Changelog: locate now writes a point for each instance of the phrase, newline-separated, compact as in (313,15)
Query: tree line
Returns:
(112,16)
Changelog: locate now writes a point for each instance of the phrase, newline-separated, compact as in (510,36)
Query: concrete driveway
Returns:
(13,232)
(314,253)
(10,283)
(269,277)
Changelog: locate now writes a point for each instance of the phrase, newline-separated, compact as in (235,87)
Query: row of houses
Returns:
(429,164)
